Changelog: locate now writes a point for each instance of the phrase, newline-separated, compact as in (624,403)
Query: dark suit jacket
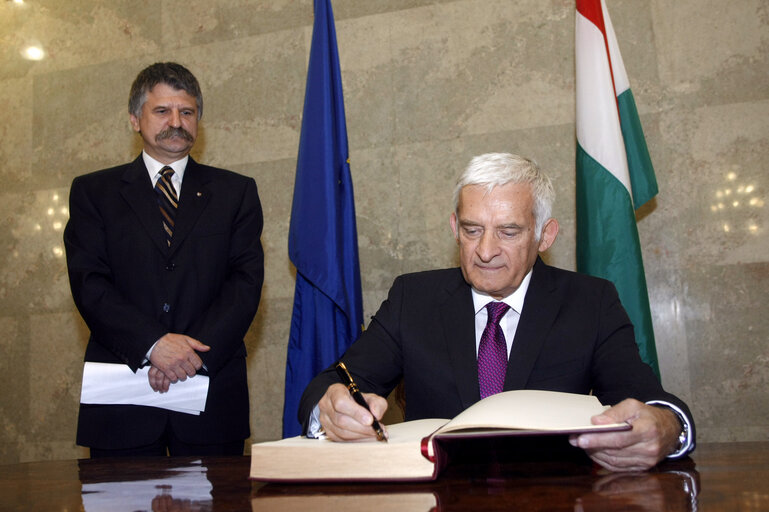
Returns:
(573,336)
(132,289)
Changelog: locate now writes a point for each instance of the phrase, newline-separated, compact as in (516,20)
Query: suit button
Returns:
(170,266)
(166,307)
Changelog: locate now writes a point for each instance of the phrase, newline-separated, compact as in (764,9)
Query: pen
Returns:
(341,370)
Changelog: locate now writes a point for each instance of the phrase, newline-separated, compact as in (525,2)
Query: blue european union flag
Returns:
(322,237)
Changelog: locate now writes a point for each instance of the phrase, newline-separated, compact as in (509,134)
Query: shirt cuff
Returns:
(686,441)
(149,353)
(314,429)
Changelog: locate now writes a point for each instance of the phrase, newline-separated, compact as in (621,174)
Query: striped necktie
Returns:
(167,200)
(492,352)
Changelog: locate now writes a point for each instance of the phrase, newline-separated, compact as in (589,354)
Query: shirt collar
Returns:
(514,300)
(153,166)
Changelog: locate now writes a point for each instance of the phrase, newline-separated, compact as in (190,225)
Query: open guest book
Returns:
(413,451)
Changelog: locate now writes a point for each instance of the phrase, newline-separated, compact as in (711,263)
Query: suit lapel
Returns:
(137,191)
(458,321)
(539,312)
(194,198)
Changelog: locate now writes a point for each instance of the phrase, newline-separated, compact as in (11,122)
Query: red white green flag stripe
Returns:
(614,171)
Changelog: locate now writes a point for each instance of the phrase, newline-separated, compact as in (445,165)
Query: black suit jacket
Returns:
(132,289)
(573,336)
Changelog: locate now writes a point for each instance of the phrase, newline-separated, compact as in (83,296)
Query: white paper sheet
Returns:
(105,383)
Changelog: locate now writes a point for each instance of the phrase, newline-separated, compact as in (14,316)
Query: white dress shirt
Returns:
(509,325)
(153,168)
(509,321)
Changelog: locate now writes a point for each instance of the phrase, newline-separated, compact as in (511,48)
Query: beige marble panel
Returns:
(56,346)
(718,184)
(275,182)
(187,24)
(712,50)
(668,308)
(254,91)
(80,121)
(366,61)
(426,188)
(33,274)
(344,9)
(266,342)
(76,33)
(727,326)
(636,32)
(662,243)
(16,170)
(458,68)
(14,402)
(376,181)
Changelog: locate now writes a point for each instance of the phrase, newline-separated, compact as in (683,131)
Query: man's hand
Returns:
(176,358)
(344,420)
(654,436)
(158,380)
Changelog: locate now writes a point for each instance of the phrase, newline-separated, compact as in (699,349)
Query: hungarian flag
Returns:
(614,171)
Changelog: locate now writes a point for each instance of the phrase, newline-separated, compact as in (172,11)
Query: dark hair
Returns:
(169,73)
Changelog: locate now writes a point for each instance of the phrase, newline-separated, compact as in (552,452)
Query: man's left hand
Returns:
(158,380)
(654,436)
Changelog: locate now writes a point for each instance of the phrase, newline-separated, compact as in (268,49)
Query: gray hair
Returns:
(497,169)
(169,73)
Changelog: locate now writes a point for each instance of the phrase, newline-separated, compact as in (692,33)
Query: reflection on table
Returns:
(182,488)
(673,490)
(724,476)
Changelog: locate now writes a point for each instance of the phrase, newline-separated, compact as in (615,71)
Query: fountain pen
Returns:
(352,387)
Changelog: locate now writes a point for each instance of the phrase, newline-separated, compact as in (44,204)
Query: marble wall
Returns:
(428,84)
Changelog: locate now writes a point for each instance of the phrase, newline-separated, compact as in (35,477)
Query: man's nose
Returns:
(176,119)
(488,246)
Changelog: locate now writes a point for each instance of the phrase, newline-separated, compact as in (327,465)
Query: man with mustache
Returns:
(166,267)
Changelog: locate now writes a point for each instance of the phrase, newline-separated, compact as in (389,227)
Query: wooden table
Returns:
(724,476)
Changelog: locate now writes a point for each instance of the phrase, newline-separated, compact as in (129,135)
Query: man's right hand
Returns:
(176,357)
(344,420)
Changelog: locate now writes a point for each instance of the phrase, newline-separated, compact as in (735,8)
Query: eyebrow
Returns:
(512,225)
(173,105)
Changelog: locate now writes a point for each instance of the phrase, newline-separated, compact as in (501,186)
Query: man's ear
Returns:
(454,225)
(549,232)
(135,123)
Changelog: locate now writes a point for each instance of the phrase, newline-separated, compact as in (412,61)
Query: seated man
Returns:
(552,329)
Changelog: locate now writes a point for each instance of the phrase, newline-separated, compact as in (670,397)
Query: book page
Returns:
(405,432)
(302,459)
(413,430)
(530,410)
(424,501)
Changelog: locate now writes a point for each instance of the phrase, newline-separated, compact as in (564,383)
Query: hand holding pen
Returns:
(352,387)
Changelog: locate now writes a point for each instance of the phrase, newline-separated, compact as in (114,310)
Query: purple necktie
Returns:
(492,352)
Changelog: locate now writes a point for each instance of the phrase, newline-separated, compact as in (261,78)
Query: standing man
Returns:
(560,331)
(166,267)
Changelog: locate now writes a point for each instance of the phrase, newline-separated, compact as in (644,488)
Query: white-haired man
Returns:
(563,331)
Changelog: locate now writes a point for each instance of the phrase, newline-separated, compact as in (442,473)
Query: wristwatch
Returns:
(684,445)
(683,437)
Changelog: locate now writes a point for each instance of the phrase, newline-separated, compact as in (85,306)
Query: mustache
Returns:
(174,132)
